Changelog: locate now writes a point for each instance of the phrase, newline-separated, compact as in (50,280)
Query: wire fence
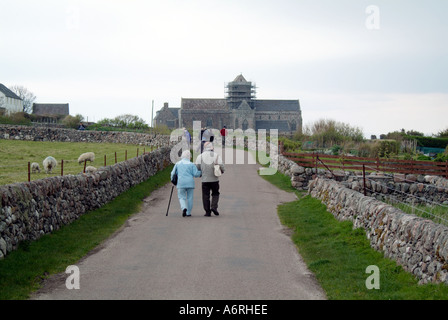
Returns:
(419,206)
(423,206)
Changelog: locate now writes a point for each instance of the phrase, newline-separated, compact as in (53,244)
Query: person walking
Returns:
(223,133)
(206,136)
(186,172)
(186,137)
(206,162)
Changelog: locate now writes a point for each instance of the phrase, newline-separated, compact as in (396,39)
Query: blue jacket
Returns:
(186,172)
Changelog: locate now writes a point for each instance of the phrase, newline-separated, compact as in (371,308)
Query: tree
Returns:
(72,122)
(443,134)
(327,133)
(27,96)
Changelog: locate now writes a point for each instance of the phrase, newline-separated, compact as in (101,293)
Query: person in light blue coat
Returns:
(186,172)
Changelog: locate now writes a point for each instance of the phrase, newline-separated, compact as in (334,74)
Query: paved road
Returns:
(243,253)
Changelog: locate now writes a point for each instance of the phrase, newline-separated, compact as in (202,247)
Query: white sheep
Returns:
(35,167)
(49,164)
(89,156)
(91,169)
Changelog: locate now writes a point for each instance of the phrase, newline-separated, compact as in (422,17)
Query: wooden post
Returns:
(115,157)
(137,152)
(364,178)
(29,171)
(85,163)
(446,171)
(62,167)
(125,155)
(104,160)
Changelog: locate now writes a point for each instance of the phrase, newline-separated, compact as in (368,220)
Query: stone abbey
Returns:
(239,109)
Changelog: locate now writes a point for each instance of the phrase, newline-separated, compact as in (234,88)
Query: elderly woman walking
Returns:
(186,172)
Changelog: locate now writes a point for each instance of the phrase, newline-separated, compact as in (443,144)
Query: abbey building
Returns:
(238,110)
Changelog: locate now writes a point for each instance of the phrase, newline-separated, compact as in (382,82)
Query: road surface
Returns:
(244,253)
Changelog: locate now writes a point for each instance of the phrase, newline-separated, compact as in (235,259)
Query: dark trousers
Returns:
(206,188)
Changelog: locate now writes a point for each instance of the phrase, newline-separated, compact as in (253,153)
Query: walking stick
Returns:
(172,188)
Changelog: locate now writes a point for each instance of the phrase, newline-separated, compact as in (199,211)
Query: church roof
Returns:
(203,104)
(277,105)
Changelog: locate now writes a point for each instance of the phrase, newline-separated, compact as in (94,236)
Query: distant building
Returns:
(238,110)
(9,101)
(50,112)
(167,116)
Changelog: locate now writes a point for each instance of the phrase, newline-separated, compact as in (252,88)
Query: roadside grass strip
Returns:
(22,270)
(341,257)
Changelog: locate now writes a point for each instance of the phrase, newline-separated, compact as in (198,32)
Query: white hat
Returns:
(186,155)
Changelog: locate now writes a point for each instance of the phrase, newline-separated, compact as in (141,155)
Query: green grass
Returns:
(16,154)
(22,270)
(338,255)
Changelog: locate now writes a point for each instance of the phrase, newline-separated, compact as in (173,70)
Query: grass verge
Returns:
(22,270)
(338,255)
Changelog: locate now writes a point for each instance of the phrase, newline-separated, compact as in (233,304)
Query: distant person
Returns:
(223,133)
(186,172)
(206,163)
(186,136)
(206,136)
(81,126)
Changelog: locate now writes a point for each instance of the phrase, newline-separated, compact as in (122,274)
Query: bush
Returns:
(72,122)
(17,118)
(326,133)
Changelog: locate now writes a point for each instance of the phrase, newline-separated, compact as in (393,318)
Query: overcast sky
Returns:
(380,68)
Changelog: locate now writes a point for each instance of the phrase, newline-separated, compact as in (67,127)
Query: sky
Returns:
(378,65)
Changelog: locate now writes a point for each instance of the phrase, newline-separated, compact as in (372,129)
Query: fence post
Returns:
(364,178)
(125,155)
(29,171)
(115,157)
(85,163)
(104,160)
(446,167)
(137,152)
(62,167)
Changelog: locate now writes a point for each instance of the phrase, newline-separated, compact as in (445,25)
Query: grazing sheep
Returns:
(35,167)
(89,156)
(91,169)
(49,164)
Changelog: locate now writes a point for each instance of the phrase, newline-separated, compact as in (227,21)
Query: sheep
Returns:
(49,164)
(88,156)
(35,167)
(91,169)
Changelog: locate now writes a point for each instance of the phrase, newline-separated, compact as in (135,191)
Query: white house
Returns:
(9,101)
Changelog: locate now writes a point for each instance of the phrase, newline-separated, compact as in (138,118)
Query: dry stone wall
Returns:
(32,209)
(36,133)
(417,244)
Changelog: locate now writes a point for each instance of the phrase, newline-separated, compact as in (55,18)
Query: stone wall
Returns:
(29,210)
(417,244)
(35,133)
(300,176)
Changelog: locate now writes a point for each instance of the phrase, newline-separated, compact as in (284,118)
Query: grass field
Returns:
(15,155)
